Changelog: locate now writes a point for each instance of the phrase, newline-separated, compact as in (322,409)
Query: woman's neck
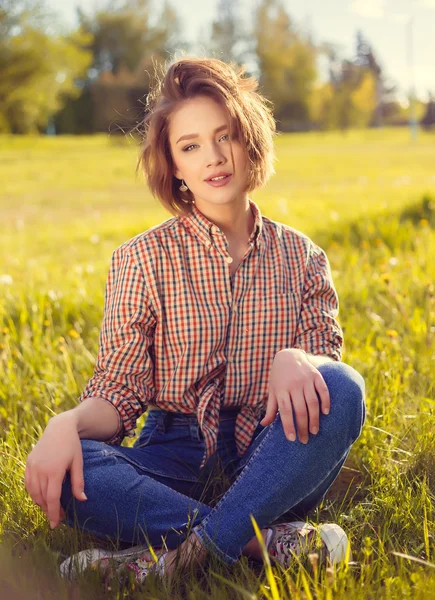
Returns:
(235,222)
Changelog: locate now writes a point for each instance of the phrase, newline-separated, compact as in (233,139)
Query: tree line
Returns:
(96,77)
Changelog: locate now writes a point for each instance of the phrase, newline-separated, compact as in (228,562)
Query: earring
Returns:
(183,187)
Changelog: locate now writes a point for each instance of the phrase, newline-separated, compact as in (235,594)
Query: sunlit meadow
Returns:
(368,198)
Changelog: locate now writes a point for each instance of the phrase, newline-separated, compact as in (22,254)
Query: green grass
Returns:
(367,198)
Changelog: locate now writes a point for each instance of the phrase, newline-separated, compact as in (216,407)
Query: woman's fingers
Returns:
(53,499)
(77,476)
(286,414)
(299,408)
(301,415)
(271,410)
(322,389)
(44,487)
(312,402)
(36,490)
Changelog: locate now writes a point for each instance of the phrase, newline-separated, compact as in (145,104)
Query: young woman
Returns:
(221,322)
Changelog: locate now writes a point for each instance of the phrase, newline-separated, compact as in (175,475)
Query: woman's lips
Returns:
(220,182)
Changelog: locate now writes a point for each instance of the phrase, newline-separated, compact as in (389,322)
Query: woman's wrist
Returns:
(66,416)
(295,351)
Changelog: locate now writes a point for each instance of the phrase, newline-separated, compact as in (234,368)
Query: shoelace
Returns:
(145,565)
(141,567)
(295,542)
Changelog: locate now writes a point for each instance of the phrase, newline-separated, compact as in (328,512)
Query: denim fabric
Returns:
(156,491)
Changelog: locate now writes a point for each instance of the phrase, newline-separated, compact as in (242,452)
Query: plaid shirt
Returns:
(183,335)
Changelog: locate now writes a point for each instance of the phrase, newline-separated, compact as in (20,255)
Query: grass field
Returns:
(368,198)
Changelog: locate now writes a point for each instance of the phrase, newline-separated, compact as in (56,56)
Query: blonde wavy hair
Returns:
(250,117)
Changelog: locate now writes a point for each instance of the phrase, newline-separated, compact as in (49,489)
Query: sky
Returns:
(398,30)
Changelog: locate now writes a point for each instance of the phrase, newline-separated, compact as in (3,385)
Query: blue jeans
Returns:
(154,489)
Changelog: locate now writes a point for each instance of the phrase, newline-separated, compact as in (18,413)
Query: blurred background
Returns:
(83,66)
(352,84)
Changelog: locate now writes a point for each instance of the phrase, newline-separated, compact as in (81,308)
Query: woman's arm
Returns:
(124,371)
(315,359)
(115,396)
(318,331)
(95,419)
(295,383)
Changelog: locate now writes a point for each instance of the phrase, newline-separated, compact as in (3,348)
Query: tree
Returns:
(353,96)
(364,100)
(366,59)
(428,121)
(168,42)
(123,36)
(38,70)
(127,49)
(229,40)
(287,65)
(384,90)
(13,13)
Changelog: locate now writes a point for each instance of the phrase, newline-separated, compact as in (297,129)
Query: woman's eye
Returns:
(186,149)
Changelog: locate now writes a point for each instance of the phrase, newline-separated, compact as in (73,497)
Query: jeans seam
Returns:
(345,455)
(132,462)
(210,545)
(140,444)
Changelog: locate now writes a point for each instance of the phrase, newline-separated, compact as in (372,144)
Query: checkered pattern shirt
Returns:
(180,333)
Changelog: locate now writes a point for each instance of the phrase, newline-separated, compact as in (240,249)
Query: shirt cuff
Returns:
(122,400)
(330,350)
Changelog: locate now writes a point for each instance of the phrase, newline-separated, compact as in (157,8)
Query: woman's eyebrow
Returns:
(190,136)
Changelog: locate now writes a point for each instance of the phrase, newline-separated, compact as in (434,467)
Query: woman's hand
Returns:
(293,383)
(58,450)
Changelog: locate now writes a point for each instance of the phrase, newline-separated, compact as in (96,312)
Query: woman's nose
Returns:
(215,155)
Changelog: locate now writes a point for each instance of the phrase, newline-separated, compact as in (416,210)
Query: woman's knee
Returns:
(346,389)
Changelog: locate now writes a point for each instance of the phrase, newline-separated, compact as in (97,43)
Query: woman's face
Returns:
(207,152)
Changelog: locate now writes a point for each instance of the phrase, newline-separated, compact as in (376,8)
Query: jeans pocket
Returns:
(145,437)
(149,430)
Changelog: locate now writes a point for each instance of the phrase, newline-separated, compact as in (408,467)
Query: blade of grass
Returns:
(269,573)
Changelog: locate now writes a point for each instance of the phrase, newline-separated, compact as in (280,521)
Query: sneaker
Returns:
(286,540)
(137,559)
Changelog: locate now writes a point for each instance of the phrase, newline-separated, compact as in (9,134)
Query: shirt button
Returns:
(215,229)
(229,259)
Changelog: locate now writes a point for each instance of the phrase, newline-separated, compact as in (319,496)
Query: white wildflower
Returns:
(404,180)
(375,317)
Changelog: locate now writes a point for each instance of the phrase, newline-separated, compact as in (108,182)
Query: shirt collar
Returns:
(204,229)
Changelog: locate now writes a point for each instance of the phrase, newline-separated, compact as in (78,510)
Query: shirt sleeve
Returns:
(124,370)
(318,331)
